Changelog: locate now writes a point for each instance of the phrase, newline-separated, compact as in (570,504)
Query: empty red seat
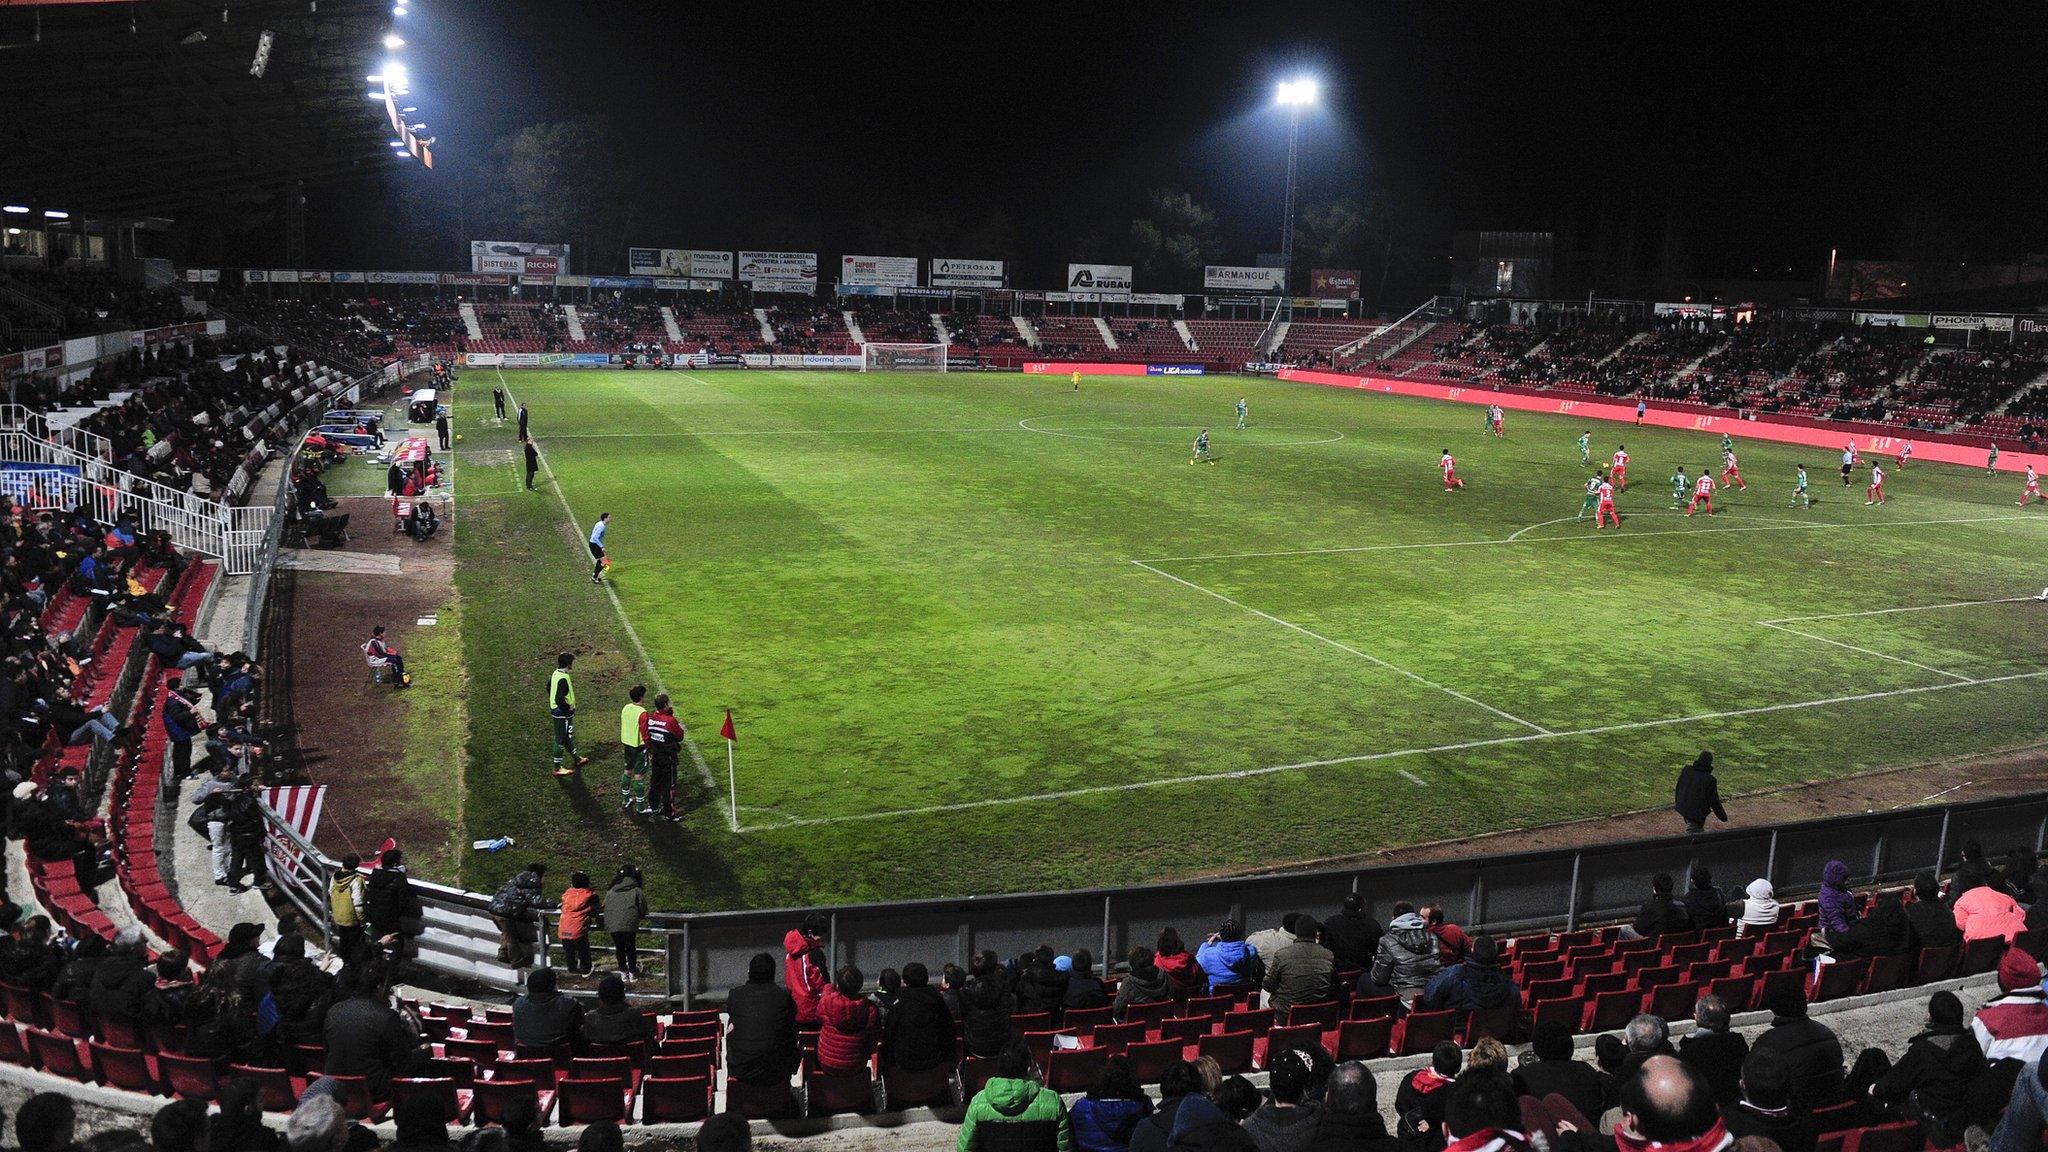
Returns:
(674,1100)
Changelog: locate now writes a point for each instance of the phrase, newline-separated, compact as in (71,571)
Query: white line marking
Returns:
(775,432)
(1342,647)
(1412,776)
(1866,651)
(1081,433)
(1934,796)
(653,673)
(1910,608)
(1368,757)
(1575,539)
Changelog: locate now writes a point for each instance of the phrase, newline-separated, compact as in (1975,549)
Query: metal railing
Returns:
(707,953)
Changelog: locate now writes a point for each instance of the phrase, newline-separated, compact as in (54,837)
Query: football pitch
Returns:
(987,633)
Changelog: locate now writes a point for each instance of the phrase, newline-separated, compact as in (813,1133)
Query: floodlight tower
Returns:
(1294,95)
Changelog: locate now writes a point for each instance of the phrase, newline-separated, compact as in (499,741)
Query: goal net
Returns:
(903,357)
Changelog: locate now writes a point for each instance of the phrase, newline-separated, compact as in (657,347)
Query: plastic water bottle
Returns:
(498,845)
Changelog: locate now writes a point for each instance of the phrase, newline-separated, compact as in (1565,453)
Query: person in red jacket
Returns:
(851,1025)
(803,967)
(1174,959)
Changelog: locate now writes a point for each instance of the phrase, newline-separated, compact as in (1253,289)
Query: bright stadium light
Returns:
(394,41)
(17,209)
(53,214)
(420,127)
(1293,95)
(408,110)
(398,9)
(374,78)
(1299,93)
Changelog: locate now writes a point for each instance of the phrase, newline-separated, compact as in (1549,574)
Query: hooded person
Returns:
(1204,1124)
(803,967)
(1475,983)
(1759,909)
(1837,902)
(2014,1026)
(1028,1116)
(1931,1082)
(1697,794)
(1986,911)
(1407,959)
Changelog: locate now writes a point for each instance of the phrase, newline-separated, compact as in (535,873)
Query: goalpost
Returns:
(902,357)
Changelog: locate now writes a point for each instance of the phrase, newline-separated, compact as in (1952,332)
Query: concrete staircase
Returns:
(1108,337)
(939,326)
(471,326)
(669,325)
(767,325)
(853,328)
(2034,385)
(574,321)
(1271,347)
(1187,336)
(1025,330)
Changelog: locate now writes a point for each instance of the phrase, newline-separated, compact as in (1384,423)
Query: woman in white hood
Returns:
(1759,909)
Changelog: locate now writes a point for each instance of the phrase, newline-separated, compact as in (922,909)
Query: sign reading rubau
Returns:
(1098,277)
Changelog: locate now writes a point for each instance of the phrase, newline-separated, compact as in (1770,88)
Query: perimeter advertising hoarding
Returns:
(1244,279)
(687,263)
(1098,277)
(512,256)
(893,271)
(757,266)
(948,272)
(1333,282)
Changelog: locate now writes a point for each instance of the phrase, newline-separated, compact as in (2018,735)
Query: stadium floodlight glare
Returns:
(17,209)
(53,214)
(394,41)
(408,110)
(374,78)
(398,9)
(1299,93)
(420,127)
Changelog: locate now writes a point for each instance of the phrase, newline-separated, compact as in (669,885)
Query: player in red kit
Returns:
(1619,473)
(1449,464)
(1606,510)
(1731,471)
(2033,491)
(1702,493)
(1875,493)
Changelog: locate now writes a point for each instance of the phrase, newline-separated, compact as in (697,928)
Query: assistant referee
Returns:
(597,531)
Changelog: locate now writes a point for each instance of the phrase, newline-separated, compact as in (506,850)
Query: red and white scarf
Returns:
(1715,1139)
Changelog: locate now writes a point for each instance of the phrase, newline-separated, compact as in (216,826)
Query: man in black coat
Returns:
(762,1044)
(1698,794)
(1715,1052)
(917,1033)
(1350,1117)
(544,1017)
(1934,925)
(1766,1107)
(1589,1089)
(1352,935)
(1811,1052)
(121,979)
(367,1037)
(1659,914)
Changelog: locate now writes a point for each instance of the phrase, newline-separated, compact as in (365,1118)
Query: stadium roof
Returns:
(149,108)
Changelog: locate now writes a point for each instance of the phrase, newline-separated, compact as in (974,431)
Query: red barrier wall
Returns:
(1059,368)
(1926,446)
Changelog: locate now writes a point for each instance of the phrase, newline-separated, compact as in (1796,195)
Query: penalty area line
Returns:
(1908,608)
(1775,627)
(1369,757)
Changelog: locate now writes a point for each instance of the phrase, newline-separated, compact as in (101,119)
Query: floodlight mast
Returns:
(1293,95)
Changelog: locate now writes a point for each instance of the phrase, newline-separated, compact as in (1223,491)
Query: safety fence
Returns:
(707,953)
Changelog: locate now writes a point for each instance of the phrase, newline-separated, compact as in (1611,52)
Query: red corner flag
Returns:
(725,731)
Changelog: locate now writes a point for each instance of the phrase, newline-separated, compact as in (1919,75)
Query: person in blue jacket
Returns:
(1103,1120)
(1226,959)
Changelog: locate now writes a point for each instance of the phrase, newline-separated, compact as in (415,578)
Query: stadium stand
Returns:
(1071,336)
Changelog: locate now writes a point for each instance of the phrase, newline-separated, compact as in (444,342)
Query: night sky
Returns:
(1749,140)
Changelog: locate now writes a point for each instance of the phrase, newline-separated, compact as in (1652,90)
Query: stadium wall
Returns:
(1874,440)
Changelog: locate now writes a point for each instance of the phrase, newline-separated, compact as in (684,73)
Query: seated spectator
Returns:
(1352,936)
(300,991)
(421,1121)
(851,1025)
(1013,1096)
(1931,1083)
(1451,940)
(30,960)
(1104,1119)
(380,654)
(1179,1083)
(1885,932)
(180,1126)
(365,1036)
(1212,1123)
(761,1044)
(47,1122)
(1419,1101)
(1350,1117)
(1301,972)
(1481,1114)
(1407,958)
(1268,941)
(1144,983)
(74,981)
(2014,1025)
(725,1132)
(220,1022)
(1551,1070)
(1759,909)
(1972,871)
(1765,1107)
(1084,988)
(1286,1122)
(1174,959)
(1668,1106)
(1838,906)
(1041,986)
(614,1021)
(917,1034)
(1645,1036)
(1476,983)
(1811,1052)
(888,986)
(121,979)
(238,1123)
(1659,914)
(1227,960)
(1934,924)
(1986,911)
(1713,1051)
(543,1017)
(1705,905)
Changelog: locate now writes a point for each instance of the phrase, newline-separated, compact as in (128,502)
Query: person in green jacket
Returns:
(633,772)
(1015,1113)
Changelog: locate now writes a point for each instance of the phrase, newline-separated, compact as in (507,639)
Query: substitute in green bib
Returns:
(562,712)
(633,776)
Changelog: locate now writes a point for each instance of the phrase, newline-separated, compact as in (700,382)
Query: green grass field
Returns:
(987,633)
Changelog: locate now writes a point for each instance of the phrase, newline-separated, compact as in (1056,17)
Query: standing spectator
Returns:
(516,912)
(181,723)
(1759,909)
(850,1024)
(441,429)
(1705,905)
(762,1042)
(1104,1120)
(1351,935)
(579,903)
(633,750)
(1811,1052)
(614,1021)
(523,437)
(625,905)
(246,830)
(543,1017)
(1173,958)
(1554,1072)
(1986,911)
(1714,1051)
(1934,925)
(803,967)
(663,736)
(210,811)
(498,400)
(1014,1096)
(1302,972)
(1659,914)
(532,464)
(1766,1108)
(1144,983)
(1286,1122)
(917,1034)
(2014,1026)
(1227,961)
(1698,794)
(394,909)
(1837,902)
(1475,984)
(1407,959)
(346,900)
(366,1037)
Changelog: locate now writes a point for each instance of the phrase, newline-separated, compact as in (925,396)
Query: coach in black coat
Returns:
(1698,794)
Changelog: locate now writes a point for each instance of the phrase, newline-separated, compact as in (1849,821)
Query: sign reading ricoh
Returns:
(1098,277)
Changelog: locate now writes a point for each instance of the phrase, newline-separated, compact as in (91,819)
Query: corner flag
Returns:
(732,780)
(725,732)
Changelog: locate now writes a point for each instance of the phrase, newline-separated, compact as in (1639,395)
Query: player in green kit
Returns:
(1727,443)
(1242,410)
(1679,486)
(1201,450)
(1800,497)
(1585,447)
(1592,501)
(1991,461)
